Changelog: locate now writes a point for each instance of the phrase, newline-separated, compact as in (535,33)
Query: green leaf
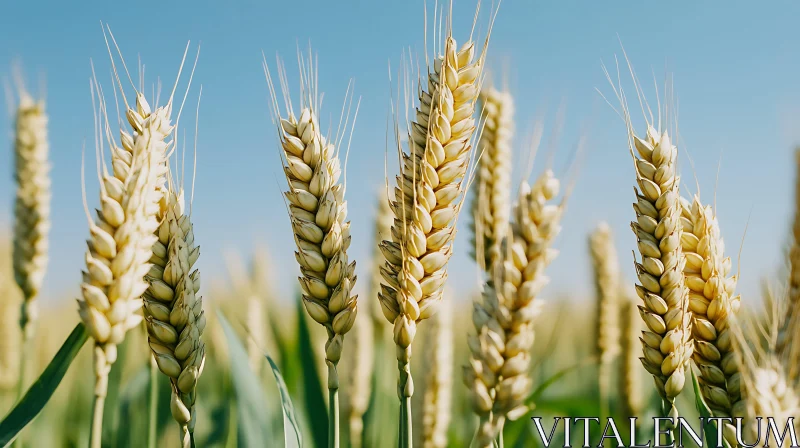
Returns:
(111,411)
(289,416)
(40,392)
(314,400)
(705,412)
(251,405)
(534,396)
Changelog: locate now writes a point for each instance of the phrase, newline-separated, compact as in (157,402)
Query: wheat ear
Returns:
(630,380)
(427,200)
(491,202)
(498,374)
(10,337)
(606,279)
(712,304)
(122,238)
(384,218)
(790,325)
(666,344)
(174,312)
(766,389)
(318,214)
(32,205)
(438,387)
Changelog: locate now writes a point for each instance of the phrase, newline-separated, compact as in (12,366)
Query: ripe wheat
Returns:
(427,201)
(491,202)
(606,278)
(31,206)
(438,387)
(667,343)
(498,374)
(790,325)
(629,377)
(712,304)
(174,312)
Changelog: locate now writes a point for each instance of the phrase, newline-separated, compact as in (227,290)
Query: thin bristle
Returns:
(498,375)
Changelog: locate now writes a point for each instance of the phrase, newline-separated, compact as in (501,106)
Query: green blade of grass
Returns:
(251,407)
(289,416)
(40,392)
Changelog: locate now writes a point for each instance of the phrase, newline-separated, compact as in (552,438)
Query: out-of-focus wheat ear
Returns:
(606,280)
(428,195)
(438,386)
(498,374)
(491,202)
(31,205)
(766,389)
(383,230)
(361,356)
(10,336)
(630,388)
(712,303)
(790,325)
(256,327)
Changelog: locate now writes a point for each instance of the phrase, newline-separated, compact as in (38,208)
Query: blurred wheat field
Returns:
(153,353)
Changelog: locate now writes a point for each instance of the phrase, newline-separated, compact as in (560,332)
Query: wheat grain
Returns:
(427,200)
(498,372)
(606,278)
(437,391)
(31,206)
(491,202)
(174,312)
(666,344)
(318,214)
(712,303)
(630,379)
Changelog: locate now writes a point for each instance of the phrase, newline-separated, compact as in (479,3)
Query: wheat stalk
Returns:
(498,372)
(174,312)
(606,278)
(437,391)
(491,203)
(630,380)
(318,214)
(427,200)
(32,205)
(790,325)
(712,304)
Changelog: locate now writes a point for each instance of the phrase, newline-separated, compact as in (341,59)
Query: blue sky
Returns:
(735,65)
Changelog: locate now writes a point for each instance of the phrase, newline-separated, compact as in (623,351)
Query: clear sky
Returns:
(736,73)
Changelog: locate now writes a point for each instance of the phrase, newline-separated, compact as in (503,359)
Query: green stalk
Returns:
(333,405)
(100,391)
(666,411)
(153,405)
(407,426)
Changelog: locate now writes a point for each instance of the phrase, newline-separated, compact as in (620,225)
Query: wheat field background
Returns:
(496,279)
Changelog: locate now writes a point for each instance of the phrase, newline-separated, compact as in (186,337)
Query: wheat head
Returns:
(428,198)
(606,279)
(383,230)
(491,203)
(666,343)
(173,310)
(121,239)
(630,384)
(10,337)
(711,302)
(31,206)
(318,213)
(498,374)
(438,387)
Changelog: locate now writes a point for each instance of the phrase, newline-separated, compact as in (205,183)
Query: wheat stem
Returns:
(152,403)
(333,419)
(101,368)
